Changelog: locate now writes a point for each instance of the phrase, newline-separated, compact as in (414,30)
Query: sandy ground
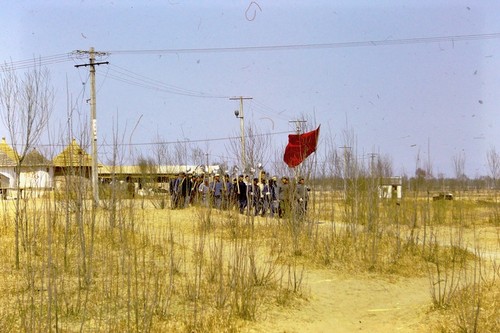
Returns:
(370,303)
(337,302)
(354,304)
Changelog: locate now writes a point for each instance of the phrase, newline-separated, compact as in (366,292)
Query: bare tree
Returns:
(180,154)
(26,103)
(459,164)
(494,166)
(257,148)
(384,166)
(198,156)
(160,151)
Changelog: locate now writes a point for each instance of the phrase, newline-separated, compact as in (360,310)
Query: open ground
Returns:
(352,265)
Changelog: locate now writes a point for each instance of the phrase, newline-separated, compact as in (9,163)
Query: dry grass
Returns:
(133,267)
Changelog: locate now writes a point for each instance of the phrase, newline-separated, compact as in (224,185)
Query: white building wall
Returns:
(36,179)
(9,173)
(387,191)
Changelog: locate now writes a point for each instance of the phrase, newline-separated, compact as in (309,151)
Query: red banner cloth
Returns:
(300,146)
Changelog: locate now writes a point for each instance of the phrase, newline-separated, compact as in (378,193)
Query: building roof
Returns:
(8,156)
(73,155)
(138,170)
(392,181)
(35,158)
(6,161)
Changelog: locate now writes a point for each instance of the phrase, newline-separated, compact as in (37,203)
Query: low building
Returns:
(71,171)
(35,173)
(391,188)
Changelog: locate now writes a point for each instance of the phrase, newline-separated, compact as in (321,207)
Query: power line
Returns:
(70,56)
(126,76)
(168,142)
(36,61)
(386,42)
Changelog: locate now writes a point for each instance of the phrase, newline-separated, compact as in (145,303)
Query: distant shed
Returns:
(391,188)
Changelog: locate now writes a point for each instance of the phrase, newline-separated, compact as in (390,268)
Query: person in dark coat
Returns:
(182,189)
(241,188)
(301,197)
(174,198)
(254,196)
(284,197)
(273,189)
(227,189)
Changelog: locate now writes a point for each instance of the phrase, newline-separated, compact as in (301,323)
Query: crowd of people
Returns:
(257,196)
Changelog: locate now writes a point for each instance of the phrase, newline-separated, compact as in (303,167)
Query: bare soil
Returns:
(339,303)
(336,301)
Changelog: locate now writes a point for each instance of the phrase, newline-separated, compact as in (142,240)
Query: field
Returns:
(352,264)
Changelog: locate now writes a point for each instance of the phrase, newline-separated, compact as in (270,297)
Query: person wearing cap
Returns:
(227,189)
(216,191)
(233,194)
(266,196)
(254,196)
(301,197)
(204,192)
(182,187)
(241,188)
(174,198)
(263,201)
(195,193)
(189,186)
(273,193)
(284,197)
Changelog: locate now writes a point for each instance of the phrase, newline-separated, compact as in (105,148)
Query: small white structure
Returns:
(34,177)
(391,188)
(8,162)
(36,174)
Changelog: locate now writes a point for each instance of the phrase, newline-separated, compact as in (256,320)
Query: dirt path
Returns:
(370,303)
(354,304)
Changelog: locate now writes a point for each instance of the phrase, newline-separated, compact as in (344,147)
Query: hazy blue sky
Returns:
(379,68)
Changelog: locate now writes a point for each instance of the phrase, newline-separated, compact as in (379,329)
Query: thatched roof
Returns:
(73,155)
(137,170)
(35,158)
(8,156)
(6,161)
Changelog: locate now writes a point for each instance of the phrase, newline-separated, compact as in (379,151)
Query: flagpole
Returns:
(298,130)
(300,146)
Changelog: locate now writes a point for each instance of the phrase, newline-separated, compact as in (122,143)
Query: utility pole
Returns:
(239,114)
(347,150)
(372,157)
(93,118)
(298,125)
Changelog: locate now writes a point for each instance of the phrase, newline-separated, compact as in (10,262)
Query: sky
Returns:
(414,81)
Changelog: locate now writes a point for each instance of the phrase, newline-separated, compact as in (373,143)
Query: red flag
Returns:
(300,146)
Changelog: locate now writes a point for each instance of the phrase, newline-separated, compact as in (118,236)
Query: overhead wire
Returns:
(266,111)
(161,142)
(126,76)
(70,56)
(36,61)
(383,42)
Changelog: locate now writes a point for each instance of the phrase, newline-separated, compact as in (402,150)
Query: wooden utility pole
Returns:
(347,150)
(239,114)
(298,125)
(372,158)
(93,118)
